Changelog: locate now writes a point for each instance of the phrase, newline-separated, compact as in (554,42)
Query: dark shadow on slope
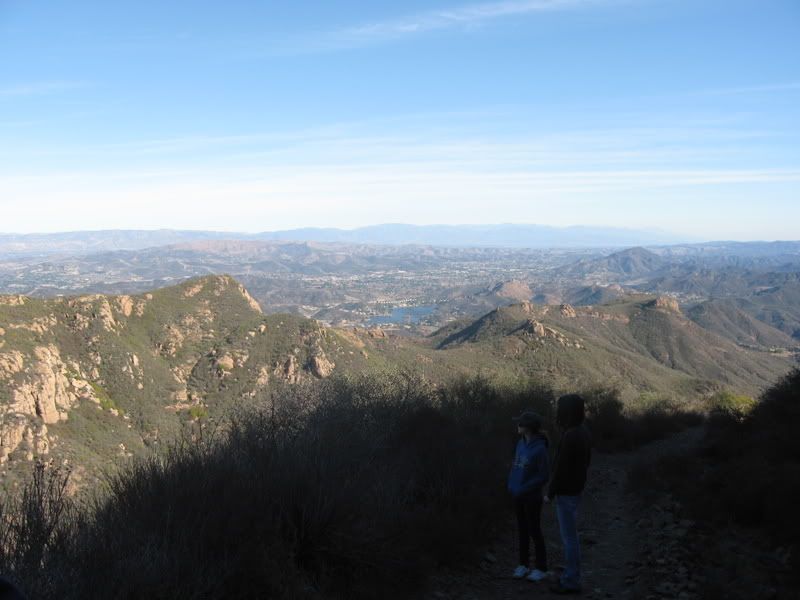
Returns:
(353,487)
(742,486)
(615,428)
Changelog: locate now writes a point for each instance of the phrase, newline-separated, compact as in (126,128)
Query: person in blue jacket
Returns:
(529,474)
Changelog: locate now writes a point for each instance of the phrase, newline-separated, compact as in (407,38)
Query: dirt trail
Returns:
(628,550)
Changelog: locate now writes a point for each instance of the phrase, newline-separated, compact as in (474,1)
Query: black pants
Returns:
(529,514)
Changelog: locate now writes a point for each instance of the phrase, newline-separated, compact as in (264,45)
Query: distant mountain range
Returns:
(504,235)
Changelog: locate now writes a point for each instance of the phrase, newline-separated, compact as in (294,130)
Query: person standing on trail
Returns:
(569,478)
(529,474)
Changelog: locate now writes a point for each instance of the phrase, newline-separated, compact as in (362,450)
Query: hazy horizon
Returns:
(667,237)
(636,114)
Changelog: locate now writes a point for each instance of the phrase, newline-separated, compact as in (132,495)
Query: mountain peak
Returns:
(217,285)
(513,289)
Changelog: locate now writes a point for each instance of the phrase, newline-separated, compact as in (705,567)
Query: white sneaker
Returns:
(537,575)
(520,572)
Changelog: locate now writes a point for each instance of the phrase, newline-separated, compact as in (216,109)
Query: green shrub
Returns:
(198,412)
(106,403)
(730,404)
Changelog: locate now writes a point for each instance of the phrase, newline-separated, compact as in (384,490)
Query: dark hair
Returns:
(570,411)
(533,423)
(8,591)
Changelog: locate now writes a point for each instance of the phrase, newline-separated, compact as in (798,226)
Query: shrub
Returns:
(351,487)
(198,412)
(34,527)
(746,474)
(615,426)
(729,404)
(355,487)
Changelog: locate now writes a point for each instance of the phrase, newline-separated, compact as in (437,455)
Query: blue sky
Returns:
(678,115)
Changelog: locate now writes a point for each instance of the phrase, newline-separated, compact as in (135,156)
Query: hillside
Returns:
(626,265)
(594,294)
(644,343)
(777,305)
(88,378)
(726,319)
(94,379)
(773,297)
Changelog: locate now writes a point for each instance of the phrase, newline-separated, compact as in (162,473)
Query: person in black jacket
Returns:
(567,483)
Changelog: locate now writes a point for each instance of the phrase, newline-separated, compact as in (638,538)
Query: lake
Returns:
(404,315)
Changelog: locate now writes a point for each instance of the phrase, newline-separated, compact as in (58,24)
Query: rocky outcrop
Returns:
(536,328)
(568,311)
(603,316)
(172,342)
(223,283)
(666,303)
(321,366)
(38,325)
(225,362)
(263,377)
(542,333)
(12,300)
(44,396)
(12,431)
(289,370)
(10,363)
(250,300)
(125,305)
(106,315)
(84,390)
(528,308)
(193,290)
(91,308)
(58,354)
(48,392)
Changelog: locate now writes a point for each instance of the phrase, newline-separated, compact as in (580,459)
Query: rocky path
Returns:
(630,550)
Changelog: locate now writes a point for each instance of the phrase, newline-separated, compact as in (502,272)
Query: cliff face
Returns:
(84,375)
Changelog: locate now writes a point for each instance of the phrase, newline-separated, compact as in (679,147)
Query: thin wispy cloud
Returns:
(673,142)
(465,17)
(789,86)
(37,88)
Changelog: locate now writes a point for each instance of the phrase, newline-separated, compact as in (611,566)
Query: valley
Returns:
(94,380)
(353,285)
(109,355)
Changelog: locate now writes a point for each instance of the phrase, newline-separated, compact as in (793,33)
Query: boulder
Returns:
(568,311)
(321,366)
(226,362)
(666,303)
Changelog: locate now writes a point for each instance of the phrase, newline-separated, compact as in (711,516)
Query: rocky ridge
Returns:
(193,345)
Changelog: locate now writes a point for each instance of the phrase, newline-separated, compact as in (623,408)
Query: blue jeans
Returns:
(567,511)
